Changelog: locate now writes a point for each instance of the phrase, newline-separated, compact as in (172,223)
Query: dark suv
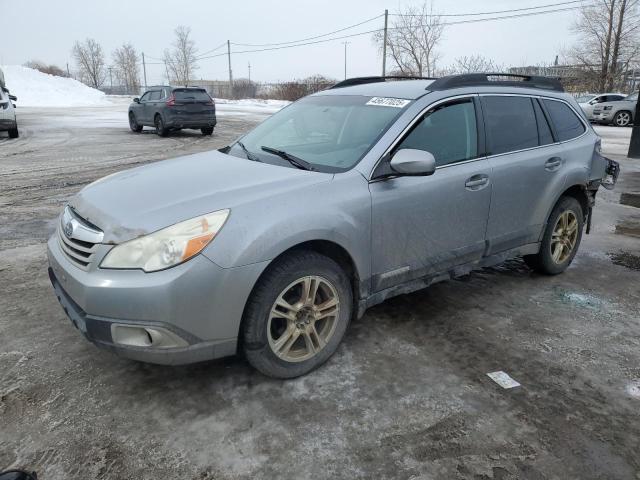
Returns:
(173,108)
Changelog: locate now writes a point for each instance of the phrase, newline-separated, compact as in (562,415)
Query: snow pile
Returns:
(249,106)
(37,89)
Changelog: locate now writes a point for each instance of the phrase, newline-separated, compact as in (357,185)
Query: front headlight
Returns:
(167,247)
(608,107)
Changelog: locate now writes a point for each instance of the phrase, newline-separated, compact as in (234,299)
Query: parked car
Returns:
(347,197)
(173,108)
(588,102)
(8,120)
(621,113)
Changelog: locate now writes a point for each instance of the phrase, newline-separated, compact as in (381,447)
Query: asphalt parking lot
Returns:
(405,397)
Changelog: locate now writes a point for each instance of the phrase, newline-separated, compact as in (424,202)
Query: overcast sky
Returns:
(46,30)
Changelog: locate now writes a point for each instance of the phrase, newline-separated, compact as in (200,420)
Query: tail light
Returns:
(171,101)
(210,103)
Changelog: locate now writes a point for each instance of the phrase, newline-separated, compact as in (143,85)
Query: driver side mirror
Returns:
(13,98)
(409,161)
(136,100)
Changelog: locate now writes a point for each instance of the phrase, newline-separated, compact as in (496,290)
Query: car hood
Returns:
(142,200)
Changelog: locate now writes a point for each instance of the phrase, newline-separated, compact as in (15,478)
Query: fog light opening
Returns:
(150,337)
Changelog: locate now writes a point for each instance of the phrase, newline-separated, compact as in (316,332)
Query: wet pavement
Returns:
(405,397)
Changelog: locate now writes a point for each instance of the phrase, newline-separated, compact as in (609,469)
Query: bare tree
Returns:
(472,64)
(609,41)
(412,39)
(125,59)
(181,61)
(90,61)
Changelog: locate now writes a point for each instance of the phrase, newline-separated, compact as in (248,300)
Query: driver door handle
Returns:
(477,182)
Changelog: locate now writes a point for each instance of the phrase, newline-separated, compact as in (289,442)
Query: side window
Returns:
(565,121)
(449,132)
(155,95)
(510,123)
(545,137)
(145,97)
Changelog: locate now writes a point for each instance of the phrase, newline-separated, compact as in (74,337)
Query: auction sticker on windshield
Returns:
(388,102)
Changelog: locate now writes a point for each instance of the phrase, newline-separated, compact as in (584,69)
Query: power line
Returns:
(212,50)
(487,13)
(308,38)
(520,15)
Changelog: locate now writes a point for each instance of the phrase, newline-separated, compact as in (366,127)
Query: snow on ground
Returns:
(249,106)
(37,89)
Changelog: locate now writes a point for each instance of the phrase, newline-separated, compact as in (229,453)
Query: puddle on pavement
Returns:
(628,227)
(630,199)
(626,259)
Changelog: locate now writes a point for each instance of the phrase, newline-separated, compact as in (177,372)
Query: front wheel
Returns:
(207,130)
(133,123)
(561,238)
(622,119)
(297,315)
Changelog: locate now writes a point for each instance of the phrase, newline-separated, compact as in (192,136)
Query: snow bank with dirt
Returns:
(37,89)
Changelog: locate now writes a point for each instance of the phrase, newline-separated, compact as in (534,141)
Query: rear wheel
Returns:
(561,238)
(207,131)
(133,123)
(13,132)
(622,119)
(161,130)
(297,315)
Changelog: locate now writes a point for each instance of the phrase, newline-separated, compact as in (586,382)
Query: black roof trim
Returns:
(363,80)
(496,79)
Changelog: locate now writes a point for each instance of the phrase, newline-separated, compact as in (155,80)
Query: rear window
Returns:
(565,121)
(191,96)
(510,123)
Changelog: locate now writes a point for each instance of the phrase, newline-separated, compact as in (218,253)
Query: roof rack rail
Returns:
(362,80)
(497,79)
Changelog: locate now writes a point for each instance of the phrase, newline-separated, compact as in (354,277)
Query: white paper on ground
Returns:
(502,379)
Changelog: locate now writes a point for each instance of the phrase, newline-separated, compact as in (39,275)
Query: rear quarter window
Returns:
(566,122)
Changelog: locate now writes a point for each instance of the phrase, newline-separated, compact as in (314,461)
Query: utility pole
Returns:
(166,71)
(144,70)
(249,65)
(68,72)
(384,44)
(111,79)
(345,58)
(230,72)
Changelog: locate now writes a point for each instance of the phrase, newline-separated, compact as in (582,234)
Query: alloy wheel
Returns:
(564,236)
(623,119)
(303,319)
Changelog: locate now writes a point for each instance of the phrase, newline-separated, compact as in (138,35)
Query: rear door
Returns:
(425,225)
(528,169)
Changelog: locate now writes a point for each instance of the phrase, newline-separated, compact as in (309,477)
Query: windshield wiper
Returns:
(249,155)
(292,159)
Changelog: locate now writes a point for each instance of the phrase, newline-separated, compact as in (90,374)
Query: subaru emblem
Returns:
(68,229)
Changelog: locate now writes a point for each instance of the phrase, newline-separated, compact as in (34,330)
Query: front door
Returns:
(425,225)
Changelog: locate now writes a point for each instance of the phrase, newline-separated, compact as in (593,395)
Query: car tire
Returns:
(561,238)
(288,341)
(207,131)
(622,119)
(13,132)
(161,130)
(133,123)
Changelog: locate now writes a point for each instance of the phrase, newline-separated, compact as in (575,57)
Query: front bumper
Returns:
(198,302)
(602,116)
(7,124)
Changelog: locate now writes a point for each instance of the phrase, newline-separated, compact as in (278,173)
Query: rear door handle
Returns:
(554,163)
(477,182)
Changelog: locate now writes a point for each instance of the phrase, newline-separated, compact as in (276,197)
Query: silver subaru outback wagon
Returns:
(370,189)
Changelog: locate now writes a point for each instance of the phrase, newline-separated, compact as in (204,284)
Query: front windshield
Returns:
(330,132)
(584,98)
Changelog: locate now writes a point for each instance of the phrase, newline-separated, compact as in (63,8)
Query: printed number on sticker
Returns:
(388,102)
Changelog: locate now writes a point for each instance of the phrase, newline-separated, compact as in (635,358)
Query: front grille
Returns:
(80,252)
